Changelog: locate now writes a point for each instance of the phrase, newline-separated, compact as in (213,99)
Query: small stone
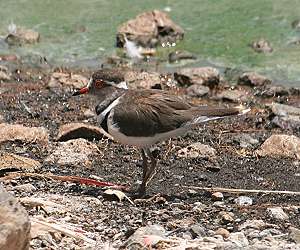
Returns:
(28,188)
(277,213)
(262,46)
(10,132)
(4,76)
(79,130)
(177,55)
(142,236)
(197,90)
(12,161)
(217,196)
(243,201)
(239,239)
(255,224)
(197,230)
(226,217)
(73,152)
(199,207)
(207,76)
(89,113)
(233,95)
(295,234)
(197,150)
(223,232)
(246,140)
(253,79)
(281,146)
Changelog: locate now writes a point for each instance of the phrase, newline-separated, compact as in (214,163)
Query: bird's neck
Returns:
(109,94)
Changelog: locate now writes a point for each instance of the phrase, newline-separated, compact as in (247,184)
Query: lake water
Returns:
(217,31)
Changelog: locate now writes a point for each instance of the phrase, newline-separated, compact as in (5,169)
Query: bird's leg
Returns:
(142,188)
(151,169)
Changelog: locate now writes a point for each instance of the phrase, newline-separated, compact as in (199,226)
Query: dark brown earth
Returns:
(239,168)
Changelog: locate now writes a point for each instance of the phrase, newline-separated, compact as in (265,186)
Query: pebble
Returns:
(239,239)
(262,46)
(223,232)
(233,95)
(197,150)
(243,201)
(277,213)
(28,188)
(197,90)
(295,234)
(226,217)
(245,140)
(217,196)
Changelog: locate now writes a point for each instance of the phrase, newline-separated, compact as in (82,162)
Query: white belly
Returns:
(141,142)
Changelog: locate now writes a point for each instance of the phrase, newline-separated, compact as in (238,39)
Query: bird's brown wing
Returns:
(146,113)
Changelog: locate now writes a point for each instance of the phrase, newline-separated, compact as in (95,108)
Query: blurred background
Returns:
(218,32)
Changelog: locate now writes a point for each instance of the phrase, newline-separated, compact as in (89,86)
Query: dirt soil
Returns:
(238,168)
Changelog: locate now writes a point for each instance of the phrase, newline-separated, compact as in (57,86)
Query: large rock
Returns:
(203,75)
(73,153)
(253,79)
(150,29)
(20,35)
(12,161)
(15,224)
(79,130)
(13,132)
(281,146)
(63,80)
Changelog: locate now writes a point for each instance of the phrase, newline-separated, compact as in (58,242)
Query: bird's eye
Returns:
(98,83)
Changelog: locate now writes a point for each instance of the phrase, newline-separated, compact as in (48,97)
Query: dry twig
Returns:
(233,190)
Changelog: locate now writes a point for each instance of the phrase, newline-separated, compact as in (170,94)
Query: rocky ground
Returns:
(258,151)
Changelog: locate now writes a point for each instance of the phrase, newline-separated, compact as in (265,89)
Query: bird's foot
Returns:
(137,192)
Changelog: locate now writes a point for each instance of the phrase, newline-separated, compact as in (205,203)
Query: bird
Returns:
(144,117)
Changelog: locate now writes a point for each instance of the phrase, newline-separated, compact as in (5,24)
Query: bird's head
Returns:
(99,81)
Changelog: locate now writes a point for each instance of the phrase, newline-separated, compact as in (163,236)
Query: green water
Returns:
(218,31)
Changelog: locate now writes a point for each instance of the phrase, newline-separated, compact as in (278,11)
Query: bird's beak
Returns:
(81,91)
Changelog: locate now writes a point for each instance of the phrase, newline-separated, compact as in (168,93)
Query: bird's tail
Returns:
(204,113)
